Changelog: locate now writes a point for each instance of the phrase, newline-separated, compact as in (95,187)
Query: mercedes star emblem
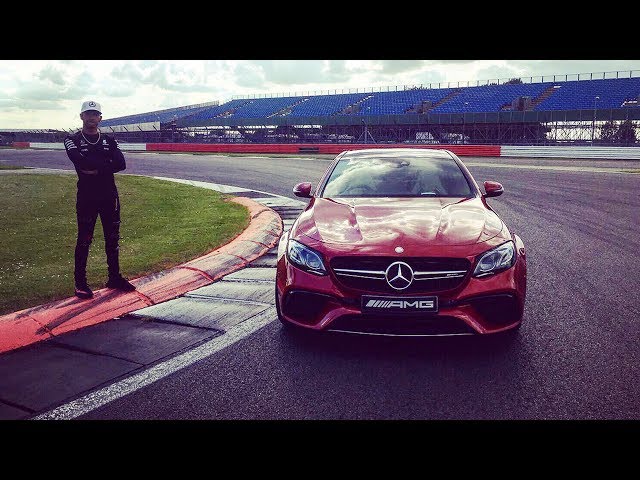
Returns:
(399,275)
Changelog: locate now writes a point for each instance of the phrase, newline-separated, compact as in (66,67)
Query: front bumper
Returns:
(479,306)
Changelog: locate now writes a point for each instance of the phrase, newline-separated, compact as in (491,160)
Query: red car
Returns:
(400,241)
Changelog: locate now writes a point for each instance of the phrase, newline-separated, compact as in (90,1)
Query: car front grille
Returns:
(431,274)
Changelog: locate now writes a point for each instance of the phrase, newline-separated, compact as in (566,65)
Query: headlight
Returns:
(495,260)
(305,258)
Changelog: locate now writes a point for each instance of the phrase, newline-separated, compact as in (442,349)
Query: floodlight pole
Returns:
(366,133)
(593,124)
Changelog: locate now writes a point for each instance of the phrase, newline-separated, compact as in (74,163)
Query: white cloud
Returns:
(53,74)
(48,93)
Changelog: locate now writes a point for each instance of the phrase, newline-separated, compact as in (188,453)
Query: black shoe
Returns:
(83,290)
(120,283)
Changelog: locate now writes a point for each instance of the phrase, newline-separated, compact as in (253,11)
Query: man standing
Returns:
(96,157)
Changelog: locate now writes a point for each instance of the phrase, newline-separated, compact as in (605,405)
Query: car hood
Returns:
(376,221)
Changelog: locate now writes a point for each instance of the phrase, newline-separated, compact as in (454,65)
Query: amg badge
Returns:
(399,304)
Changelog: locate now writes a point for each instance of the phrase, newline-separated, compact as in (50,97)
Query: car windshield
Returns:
(396,176)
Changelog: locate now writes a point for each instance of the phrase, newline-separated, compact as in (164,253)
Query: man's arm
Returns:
(83,164)
(118,162)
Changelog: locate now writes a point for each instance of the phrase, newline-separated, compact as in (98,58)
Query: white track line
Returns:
(128,385)
(220,187)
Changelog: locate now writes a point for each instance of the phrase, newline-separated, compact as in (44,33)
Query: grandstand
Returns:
(569,109)
(159,116)
(8,135)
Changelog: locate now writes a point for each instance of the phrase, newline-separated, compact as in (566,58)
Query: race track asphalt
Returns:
(576,357)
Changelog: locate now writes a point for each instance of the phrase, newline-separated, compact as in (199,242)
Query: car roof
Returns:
(390,152)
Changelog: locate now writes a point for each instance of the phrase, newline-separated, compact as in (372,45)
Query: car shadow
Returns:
(462,347)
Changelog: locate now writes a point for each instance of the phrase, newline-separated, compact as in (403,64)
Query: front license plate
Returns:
(371,304)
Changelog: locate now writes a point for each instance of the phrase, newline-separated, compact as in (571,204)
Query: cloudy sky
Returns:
(48,93)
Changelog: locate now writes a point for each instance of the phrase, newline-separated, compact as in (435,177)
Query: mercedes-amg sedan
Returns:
(400,241)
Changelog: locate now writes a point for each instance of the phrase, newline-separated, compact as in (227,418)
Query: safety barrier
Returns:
(321,148)
(611,153)
(60,146)
(596,152)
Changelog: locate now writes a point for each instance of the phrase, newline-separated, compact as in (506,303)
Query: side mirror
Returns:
(493,189)
(302,190)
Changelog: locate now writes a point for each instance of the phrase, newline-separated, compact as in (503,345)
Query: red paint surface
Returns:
(18,329)
(20,144)
(172,283)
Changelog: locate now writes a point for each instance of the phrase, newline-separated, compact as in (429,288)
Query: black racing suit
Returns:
(96,158)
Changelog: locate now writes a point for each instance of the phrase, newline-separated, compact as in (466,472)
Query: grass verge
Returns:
(10,167)
(163,224)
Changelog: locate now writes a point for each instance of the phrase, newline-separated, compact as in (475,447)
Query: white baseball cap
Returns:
(91,105)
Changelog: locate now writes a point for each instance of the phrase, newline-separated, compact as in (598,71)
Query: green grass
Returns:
(10,167)
(163,224)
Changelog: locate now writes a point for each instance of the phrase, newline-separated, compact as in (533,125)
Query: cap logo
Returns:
(92,104)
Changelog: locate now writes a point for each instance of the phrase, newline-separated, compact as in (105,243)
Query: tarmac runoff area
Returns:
(157,295)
